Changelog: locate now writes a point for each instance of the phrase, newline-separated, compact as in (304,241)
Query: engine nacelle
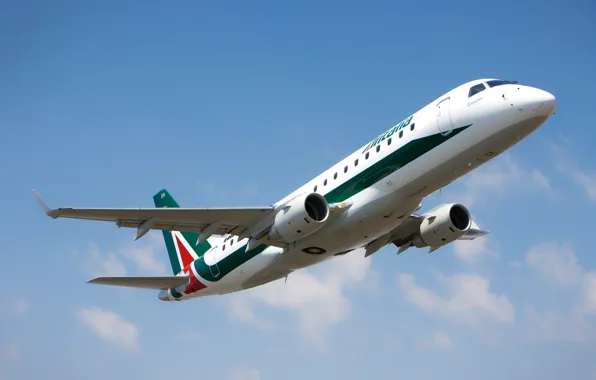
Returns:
(443,225)
(300,217)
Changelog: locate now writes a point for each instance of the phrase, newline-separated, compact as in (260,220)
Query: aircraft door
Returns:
(216,255)
(444,122)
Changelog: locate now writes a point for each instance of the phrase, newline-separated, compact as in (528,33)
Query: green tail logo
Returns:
(181,246)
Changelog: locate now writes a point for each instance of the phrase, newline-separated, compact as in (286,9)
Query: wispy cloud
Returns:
(558,264)
(241,309)
(143,254)
(440,341)
(587,180)
(555,261)
(468,299)
(472,251)
(110,327)
(319,301)
(104,264)
(588,302)
(499,177)
(567,164)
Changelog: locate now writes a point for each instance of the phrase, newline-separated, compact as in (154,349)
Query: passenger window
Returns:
(389,141)
(346,169)
(366,156)
(356,162)
(223,248)
(325,183)
(378,148)
(315,190)
(401,133)
(476,89)
(335,175)
(412,126)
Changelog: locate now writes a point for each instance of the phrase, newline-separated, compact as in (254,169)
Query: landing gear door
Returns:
(444,116)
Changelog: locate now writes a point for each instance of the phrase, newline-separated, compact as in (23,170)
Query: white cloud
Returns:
(439,341)
(472,251)
(468,299)
(108,265)
(587,180)
(498,177)
(588,304)
(110,327)
(144,254)
(557,262)
(549,325)
(241,309)
(319,301)
(565,163)
(560,264)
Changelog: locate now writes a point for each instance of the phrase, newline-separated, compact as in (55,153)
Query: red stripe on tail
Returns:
(185,256)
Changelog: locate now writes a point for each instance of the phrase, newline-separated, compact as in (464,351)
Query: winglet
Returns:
(46,208)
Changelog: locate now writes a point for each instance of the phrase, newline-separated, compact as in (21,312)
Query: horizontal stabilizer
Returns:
(164,282)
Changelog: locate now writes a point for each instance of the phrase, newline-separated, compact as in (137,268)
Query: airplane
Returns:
(367,200)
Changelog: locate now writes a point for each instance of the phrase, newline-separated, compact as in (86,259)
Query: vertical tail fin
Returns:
(181,246)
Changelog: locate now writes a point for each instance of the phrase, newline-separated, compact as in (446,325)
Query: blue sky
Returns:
(238,103)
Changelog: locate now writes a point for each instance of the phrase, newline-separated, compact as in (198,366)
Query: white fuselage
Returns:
(432,150)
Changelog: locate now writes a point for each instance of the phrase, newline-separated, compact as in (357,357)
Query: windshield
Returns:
(499,82)
(476,89)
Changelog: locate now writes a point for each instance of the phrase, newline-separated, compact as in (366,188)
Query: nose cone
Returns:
(539,101)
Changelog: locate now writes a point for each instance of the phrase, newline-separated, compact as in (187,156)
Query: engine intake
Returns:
(443,225)
(300,217)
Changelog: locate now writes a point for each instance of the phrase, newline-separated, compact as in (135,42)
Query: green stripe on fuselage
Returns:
(387,165)
(226,265)
(368,177)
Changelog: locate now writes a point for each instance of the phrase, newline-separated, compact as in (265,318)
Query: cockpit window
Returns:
(499,82)
(476,89)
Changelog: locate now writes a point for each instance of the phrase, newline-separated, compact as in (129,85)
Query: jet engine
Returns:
(300,217)
(443,225)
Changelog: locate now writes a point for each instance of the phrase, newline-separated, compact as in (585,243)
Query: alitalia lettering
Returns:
(388,134)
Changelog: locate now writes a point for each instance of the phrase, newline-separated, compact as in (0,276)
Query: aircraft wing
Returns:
(402,236)
(219,221)
(405,231)
(158,283)
(473,233)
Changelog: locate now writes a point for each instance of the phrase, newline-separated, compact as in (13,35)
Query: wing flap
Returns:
(158,283)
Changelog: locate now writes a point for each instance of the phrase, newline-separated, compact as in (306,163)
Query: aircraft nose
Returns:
(539,101)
